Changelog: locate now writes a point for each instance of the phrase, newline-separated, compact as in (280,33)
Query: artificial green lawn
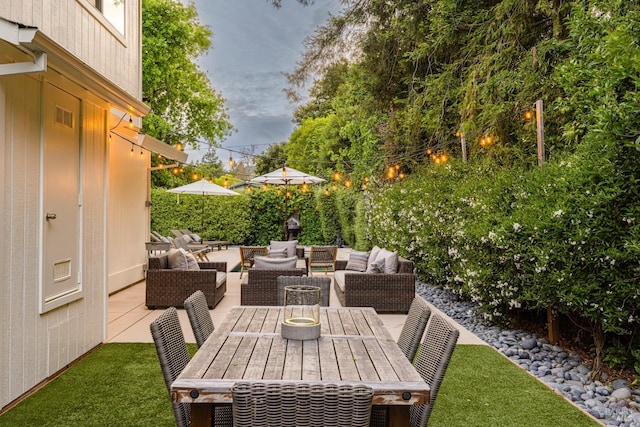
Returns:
(121,385)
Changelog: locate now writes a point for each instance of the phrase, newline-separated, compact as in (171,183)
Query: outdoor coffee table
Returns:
(354,348)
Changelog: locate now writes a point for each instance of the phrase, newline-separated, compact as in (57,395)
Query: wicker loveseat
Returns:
(385,292)
(167,287)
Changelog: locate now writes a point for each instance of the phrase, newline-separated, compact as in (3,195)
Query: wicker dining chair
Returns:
(432,361)
(300,405)
(199,317)
(247,253)
(173,356)
(414,326)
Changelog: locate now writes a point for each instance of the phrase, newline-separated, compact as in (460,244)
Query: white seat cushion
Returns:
(220,278)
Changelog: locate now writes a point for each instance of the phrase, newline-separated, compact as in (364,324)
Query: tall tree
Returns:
(273,158)
(184,105)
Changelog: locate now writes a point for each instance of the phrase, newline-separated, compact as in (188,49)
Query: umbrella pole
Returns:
(286,204)
(202,219)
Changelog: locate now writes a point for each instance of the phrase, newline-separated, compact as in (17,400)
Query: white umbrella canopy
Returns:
(204,188)
(286,176)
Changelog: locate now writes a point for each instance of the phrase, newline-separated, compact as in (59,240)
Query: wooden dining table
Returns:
(354,348)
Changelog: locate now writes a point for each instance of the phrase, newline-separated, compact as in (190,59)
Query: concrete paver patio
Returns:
(129,318)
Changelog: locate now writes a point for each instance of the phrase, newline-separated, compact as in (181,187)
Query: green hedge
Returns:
(258,217)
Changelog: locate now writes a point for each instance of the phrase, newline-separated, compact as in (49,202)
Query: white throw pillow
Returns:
(275,263)
(177,259)
(357,261)
(289,245)
(390,260)
(373,254)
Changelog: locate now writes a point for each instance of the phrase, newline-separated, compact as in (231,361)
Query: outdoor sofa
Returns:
(167,287)
(386,292)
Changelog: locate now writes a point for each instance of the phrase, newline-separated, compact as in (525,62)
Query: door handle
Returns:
(50,216)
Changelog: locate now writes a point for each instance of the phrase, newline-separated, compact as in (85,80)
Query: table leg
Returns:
(398,415)
(201,414)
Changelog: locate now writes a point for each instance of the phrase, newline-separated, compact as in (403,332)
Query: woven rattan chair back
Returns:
(247,253)
(324,283)
(300,405)
(173,356)
(199,317)
(414,326)
(322,258)
(433,358)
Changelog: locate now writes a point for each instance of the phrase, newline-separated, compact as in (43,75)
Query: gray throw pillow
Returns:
(289,245)
(376,267)
(278,253)
(177,259)
(357,261)
(192,264)
(275,263)
(390,260)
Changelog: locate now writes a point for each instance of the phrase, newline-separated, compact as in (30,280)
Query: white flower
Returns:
(516,227)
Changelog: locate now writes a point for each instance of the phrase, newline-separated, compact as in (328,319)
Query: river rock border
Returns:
(613,403)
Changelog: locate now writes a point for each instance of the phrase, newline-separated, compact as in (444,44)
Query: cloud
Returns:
(254,44)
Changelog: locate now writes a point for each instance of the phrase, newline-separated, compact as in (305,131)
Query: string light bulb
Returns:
(130,122)
(326,191)
(336,176)
(141,154)
(391,172)
(131,152)
(249,190)
(225,184)
(347,183)
(175,171)
(528,115)
(231,162)
(305,187)
(284,171)
(179,146)
(265,187)
(194,176)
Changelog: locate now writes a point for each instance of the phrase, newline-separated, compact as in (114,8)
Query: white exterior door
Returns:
(61,205)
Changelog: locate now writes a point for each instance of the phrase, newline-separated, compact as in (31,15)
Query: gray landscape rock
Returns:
(614,405)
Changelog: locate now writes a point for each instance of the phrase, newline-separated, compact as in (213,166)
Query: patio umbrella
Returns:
(286,176)
(205,188)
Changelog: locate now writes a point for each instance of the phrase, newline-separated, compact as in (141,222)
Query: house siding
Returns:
(114,220)
(83,31)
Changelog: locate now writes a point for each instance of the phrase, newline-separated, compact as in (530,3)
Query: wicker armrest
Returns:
(165,288)
(341,264)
